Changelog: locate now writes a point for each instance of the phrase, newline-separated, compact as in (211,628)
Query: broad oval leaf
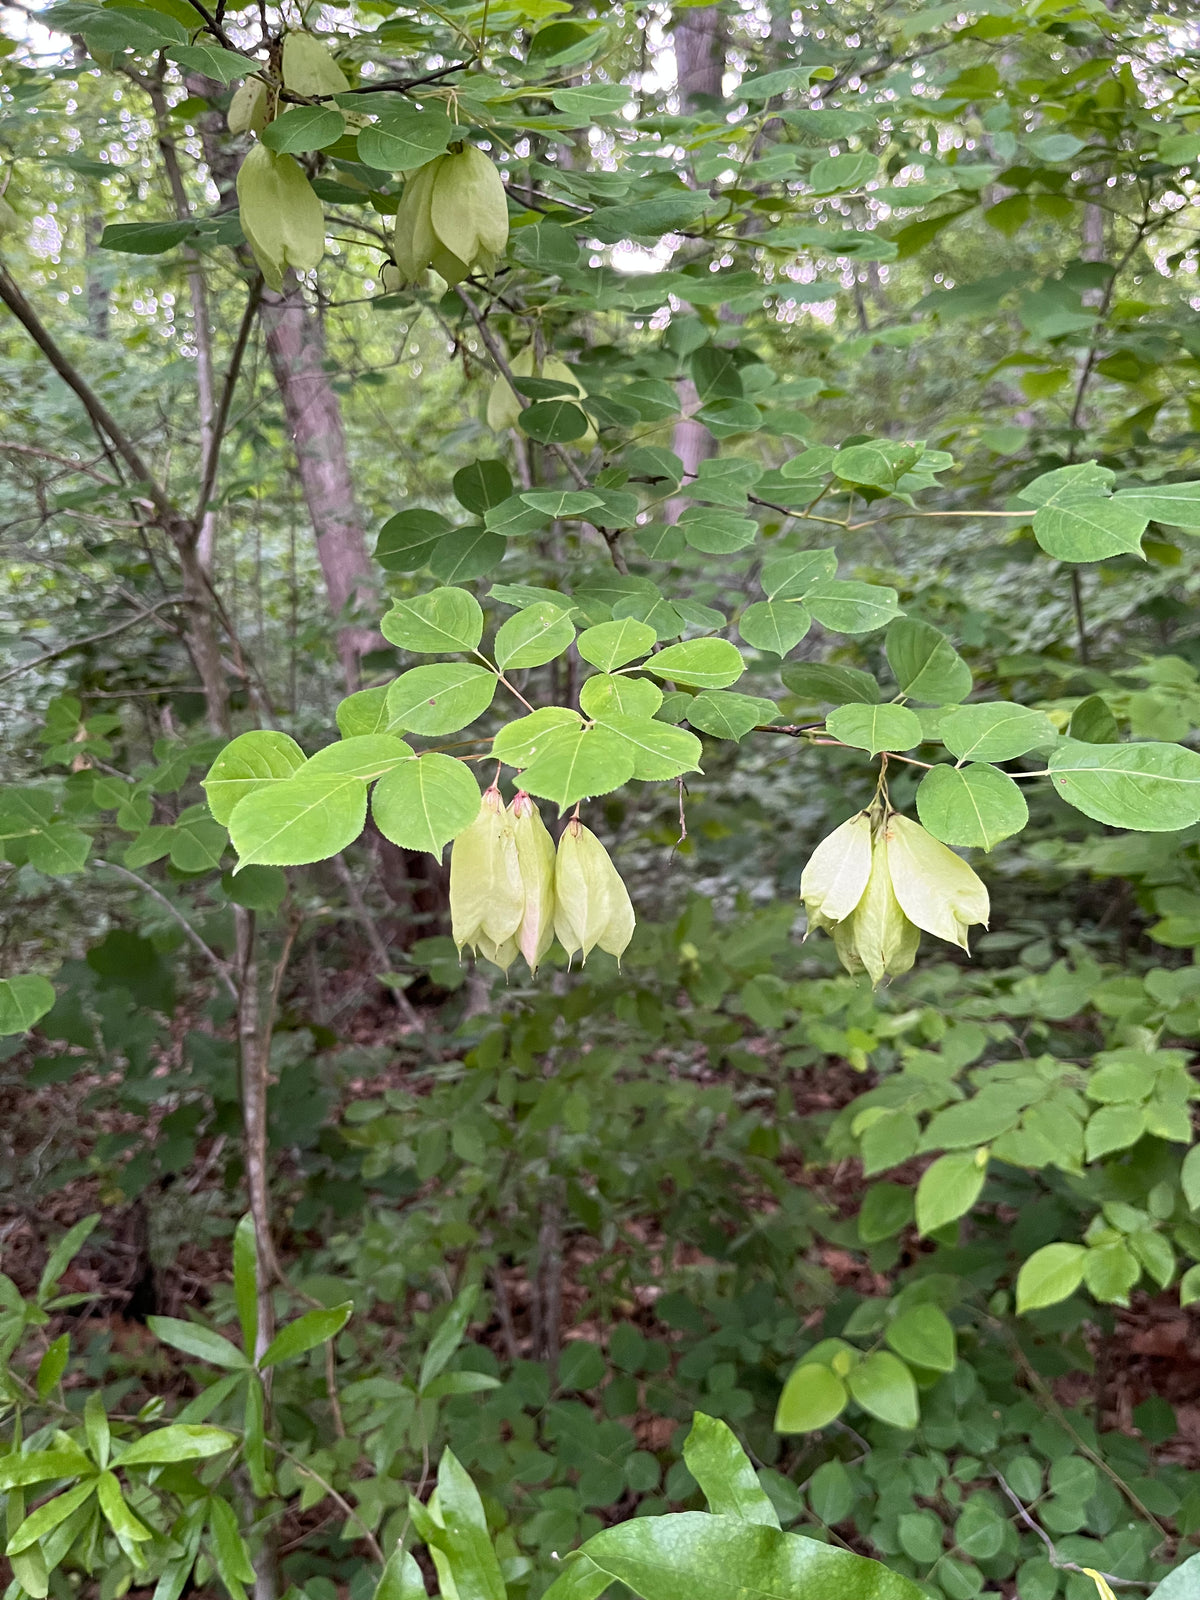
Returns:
(250,762)
(949,1188)
(1091,530)
(522,741)
(723,1470)
(23,1001)
(579,764)
(403,140)
(1152,787)
(875,728)
(699,663)
(791,577)
(727,715)
(659,750)
(610,645)
(365,755)
(423,804)
(846,606)
(883,1386)
(927,666)
(925,1336)
(812,1397)
(305,819)
(774,625)
(407,540)
(440,699)
(973,806)
(441,621)
(997,731)
(608,695)
(1051,1274)
(534,636)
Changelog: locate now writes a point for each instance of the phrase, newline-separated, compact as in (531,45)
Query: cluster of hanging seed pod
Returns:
(878,881)
(452,216)
(511,893)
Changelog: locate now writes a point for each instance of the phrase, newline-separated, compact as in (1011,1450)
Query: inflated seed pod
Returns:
(937,889)
(282,218)
(250,109)
(309,68)
(487,898)
(535,857)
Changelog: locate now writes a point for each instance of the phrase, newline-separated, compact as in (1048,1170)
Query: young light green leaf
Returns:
(610,645)
(925,1336)
(48,1516)
(366,755)
(883,1386)
(812,1397)
(1154,788)
(774,625)
(975,805)
(116,1513)
(52,1365)
(520,742)
(927,666)
(313,1328)
(996,731)
(949,1188)
(402,1578)
(618,695)
(252,761)
(845,606)
(722,1469)
(875,728)
(579,764)
(305,819)
(1049,1275)
(194,1339)
(468,1543)
(67,1460)
(440,699)
(24,1000)
(699,663)
(178,1442)
(443,620)
(659,750)
(534,636)
(423,804)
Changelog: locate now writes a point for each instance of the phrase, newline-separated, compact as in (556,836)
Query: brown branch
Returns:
(221,415)
(209,954)
(102,419)
(92,638)
(10,447)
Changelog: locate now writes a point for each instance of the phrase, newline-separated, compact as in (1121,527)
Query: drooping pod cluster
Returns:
(452,216)
(511,893)
(878,881)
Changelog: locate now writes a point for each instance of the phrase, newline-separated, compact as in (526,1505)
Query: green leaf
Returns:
(777,626)
(245,1281)
(925,1336)
(48,1516)
(1051,1274)
(363,713)
(692,1555)
(179,1442)
(65,1251)
(425,803)
(534,636)
(727,1480)
(402,1578)
(482,485)
(1182,1583)
(519,742)
(790,577)
(878,464)
(1175,505)
(659,750)
(96,1426)
(821,683)
(593,100)
(603,696)
(717,533)
(146,238)
(848,607)
(448,1337)
(230,1556)
(875,728)
(949,1188)
(996,731)
(43,1466)
(970,806)
(407,540)
(443,620)
(305,819)
(402,140)
(699,663)
(468,1543)
(210,60)
(303,128)
(1189,1178)
(440,699)
(251,762)
(313,1328)
(883,1386)
(554,421)
(812,1397)
(23,1001)
(614,644)
(196,1340)
(841,175)
(52,1365)
(1091,530)
(365,755)
(1154,788)
(1066,486)
(561,503)
(466,553)
(927,666)
(886,1208)
(725,715)
(1092,722)
(578,764)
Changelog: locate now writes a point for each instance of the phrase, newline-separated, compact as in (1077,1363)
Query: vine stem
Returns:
(205,949)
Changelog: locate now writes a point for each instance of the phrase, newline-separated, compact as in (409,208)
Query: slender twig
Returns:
(92,638)
(343,1504)
(1052,1554)
(10,447)
(221,415)
(206,950)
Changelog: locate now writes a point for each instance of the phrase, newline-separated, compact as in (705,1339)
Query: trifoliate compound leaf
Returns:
(927,666)
(997,731)
(441,621)
(812,1397)
(727,715)
(875,728)
(425,803)
(249,762)
(610,645)
(23,1000)
(1152,787)
(844,606)
(608,695)
(972,806)
(440,699)
(305,819)
(534,636)
(659,750)
(774,625)
(578,765)
(699,663)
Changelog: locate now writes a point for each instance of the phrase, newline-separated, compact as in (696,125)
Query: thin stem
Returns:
(343,1504)
(221,415)
(91,638)
(209,954)
(1052,1554)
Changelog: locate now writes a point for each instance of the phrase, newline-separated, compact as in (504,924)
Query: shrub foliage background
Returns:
(799,422)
